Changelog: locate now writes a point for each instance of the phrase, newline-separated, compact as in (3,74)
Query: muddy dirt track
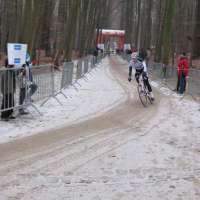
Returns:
(116,118)
(70,148)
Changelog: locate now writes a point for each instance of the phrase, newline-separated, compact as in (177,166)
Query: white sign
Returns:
(101,46)
(17,54)
(127,47)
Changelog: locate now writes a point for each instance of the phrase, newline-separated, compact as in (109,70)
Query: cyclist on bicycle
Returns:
(139,63)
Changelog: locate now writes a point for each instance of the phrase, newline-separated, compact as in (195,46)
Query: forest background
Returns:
(64,29)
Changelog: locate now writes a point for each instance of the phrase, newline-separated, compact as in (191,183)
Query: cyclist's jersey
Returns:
(138,65)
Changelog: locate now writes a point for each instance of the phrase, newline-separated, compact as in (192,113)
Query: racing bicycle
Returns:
(143,92)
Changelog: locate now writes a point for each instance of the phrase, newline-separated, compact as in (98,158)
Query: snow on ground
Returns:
(162,162)
(97,93)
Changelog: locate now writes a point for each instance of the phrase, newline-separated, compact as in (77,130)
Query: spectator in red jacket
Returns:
(183,69)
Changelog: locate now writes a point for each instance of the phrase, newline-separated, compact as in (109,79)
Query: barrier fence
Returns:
(168,75)
(25,86)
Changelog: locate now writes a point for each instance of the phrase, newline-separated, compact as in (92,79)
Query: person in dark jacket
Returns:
(27,86)
(8,87)
(95,54)
(182,71)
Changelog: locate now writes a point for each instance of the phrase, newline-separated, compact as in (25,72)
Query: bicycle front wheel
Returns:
(142,95)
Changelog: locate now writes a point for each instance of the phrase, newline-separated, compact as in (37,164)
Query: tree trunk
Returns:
(196,43)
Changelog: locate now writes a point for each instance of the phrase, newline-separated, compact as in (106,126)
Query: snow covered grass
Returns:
(96,94)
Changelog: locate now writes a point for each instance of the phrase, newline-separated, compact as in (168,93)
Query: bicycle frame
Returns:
(143,92)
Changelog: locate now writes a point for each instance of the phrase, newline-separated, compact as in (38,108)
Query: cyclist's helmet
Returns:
(134,55)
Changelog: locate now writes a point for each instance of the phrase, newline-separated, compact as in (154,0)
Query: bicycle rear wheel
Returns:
(142,95)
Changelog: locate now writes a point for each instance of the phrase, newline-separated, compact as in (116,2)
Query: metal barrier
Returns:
(43,77)
(79,69)
(194,82)
(86,65)
(94,61)
(67,75)
(91,63)
(9,93)
(23,87)
(16,90)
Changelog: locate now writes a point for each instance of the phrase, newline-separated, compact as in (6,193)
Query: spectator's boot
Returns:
(23,112)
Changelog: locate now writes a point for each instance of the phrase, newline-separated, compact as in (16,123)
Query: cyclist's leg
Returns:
(146,82)
(130,71)
(137,75)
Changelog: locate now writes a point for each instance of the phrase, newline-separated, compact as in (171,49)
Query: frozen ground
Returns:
(123,152)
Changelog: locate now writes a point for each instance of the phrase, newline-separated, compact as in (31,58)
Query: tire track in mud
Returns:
(96,134)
